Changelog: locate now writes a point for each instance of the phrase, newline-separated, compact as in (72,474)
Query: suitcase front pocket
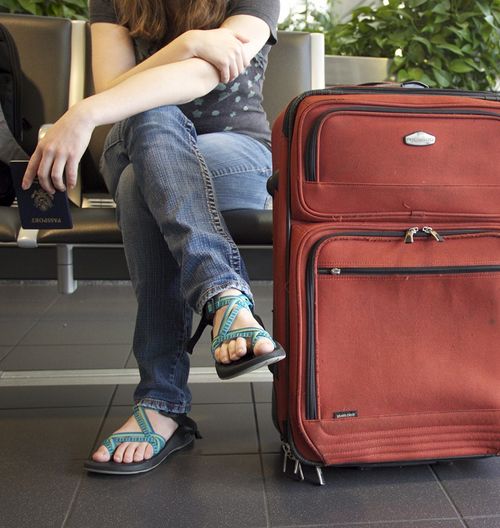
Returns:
(397,162)
(416,336)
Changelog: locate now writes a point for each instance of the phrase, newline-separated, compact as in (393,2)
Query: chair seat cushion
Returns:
(96,226)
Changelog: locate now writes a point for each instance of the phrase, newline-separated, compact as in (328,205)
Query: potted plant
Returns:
(443,43)
(77,9)
(339,69)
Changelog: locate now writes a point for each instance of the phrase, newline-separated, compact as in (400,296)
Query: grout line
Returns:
(448,496)
(492,516)
(261,460)
(130,354)
(72,502)
(369,524)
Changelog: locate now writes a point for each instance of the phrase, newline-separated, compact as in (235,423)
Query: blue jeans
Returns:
(170,186)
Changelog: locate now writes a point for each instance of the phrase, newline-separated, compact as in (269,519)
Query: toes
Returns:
(223,356)
(231,350)
(128,456)
(119,452)
(139,451)
(148,452)
(101,455)
(241,347)
(263,346)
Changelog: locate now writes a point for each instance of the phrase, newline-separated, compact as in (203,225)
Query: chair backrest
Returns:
(296,64)
(44,45)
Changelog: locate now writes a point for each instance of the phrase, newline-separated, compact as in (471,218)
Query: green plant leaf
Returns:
(402,76)
(460,66)
(415,73)
(423,41)
(452,48)
(441,78)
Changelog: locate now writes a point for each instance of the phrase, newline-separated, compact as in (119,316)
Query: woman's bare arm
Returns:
(60,151)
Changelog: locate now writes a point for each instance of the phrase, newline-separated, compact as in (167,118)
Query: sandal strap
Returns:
(216,303)
(113,441)
(148,434)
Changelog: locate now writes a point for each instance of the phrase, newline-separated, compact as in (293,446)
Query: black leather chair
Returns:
(296,64)
(46,79)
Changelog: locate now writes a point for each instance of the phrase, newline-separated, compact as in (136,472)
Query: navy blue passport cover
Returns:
(37,208)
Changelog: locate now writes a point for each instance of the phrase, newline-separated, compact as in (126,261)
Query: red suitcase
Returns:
(387,276)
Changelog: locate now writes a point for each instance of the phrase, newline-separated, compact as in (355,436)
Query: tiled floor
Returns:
(230,478)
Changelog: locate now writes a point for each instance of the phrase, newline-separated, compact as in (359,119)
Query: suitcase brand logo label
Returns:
(420,139)
(345,414)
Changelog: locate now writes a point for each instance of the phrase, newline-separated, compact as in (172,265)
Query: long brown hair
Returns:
(162,20)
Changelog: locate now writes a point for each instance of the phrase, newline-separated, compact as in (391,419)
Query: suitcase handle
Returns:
(414,84)
(406,84)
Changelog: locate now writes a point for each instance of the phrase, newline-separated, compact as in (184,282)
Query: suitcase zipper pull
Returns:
(410,234)
(430,231)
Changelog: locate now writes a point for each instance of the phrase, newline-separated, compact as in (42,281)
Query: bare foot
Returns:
(237,348)
(137,451)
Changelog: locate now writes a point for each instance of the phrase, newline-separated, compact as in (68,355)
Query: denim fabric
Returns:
(170,186)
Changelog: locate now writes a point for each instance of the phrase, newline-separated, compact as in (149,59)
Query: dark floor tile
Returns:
(354,496)
(269,437)
(226,429)
(441,523)
(220,392)
(202,393)
(485,522)
(94,303)
(263,392)
(79,333)
(11,332)
(185,491)
(37,494)
(26,300)
(56,357)
(57,396)
(44,435)
(201,356)
(4,350)
(473,485)
(102,292)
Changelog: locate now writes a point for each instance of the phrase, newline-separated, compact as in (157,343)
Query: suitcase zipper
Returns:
(311,400)
(432,270)
(312,140)
(289,120)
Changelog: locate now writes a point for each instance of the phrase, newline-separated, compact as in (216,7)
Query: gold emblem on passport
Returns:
(42,200)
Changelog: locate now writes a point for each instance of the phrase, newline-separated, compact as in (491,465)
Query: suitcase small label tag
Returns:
(420,139)
(345,414)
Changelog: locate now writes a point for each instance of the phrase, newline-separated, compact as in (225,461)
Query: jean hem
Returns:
(162,405)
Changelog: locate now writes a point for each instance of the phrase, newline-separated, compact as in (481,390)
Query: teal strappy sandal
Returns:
(249,361)
(183,436)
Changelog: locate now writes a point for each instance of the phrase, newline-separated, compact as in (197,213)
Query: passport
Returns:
(37,208)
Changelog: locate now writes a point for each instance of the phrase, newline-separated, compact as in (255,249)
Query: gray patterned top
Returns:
(235,106)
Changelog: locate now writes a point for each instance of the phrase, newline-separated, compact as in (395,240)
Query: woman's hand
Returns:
(59,152)
(223,48)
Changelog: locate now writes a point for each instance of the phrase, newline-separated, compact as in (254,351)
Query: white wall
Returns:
(341,7)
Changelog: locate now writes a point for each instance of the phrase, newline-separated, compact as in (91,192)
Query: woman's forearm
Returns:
(175,83)
(178,50)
